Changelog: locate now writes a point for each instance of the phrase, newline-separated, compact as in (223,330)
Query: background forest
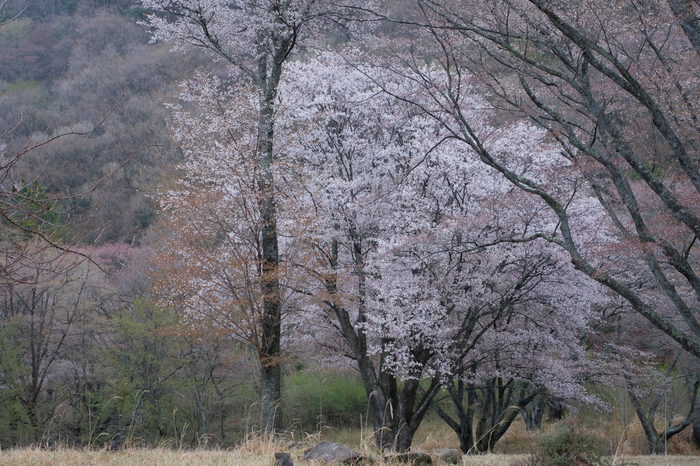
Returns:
(220,219)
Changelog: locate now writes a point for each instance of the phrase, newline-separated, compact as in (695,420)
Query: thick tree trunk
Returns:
(498,404)
(32,411)
(271,390)
(658,441)
(696,431)
(271,369)
(534,412)
(463,426)
(412,407)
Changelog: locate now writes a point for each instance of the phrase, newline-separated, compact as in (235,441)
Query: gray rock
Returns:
(330,452)
(413,457)
(448,455)
(283,459)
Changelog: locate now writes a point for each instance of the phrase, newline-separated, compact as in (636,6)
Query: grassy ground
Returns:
(625,445)
(132,457)
(247,457)
(625,441)
(508,460)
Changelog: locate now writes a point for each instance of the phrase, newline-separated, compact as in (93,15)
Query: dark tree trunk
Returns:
(395,413)
(534,412)
(465,413)
(500,404)
(696,431)
(658,441)
(495,406)
(269,74)
(271,370)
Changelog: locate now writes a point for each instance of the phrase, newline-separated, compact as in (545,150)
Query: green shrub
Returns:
(325,397)
(22,85)
(569,445)
(15,30)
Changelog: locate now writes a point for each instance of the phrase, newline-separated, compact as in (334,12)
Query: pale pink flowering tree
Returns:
(395,237)
(615,86)
(255,39)
(618,92)
(419,268)
(210,260)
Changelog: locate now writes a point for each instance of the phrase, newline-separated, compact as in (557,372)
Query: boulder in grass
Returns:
(330,452)
(415,458)
(448,455)
(283,459)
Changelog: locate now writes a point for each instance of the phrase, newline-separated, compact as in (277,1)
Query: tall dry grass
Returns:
(261,454)
(625,441)
(132,457)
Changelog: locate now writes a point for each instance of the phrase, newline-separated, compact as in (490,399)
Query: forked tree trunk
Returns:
(396,412)
(534,412)
(494,406)
(656,440)
(463,426)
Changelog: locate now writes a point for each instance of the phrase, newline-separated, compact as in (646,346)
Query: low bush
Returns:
(568,445)
(326,398)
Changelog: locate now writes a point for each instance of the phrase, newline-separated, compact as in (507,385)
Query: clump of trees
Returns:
(382,264)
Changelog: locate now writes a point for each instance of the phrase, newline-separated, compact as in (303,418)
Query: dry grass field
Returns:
(248,457)
(508,460)
(626,444)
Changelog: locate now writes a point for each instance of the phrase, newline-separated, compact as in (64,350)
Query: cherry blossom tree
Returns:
(614,86)
(209,260)
(358,151)
(616,89)
(255,39)
(394,237)
(537,351)
(417,265)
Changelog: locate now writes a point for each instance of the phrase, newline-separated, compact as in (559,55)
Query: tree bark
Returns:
(269,74)
(656,440)
(271,369)
(396,413)
(696,431)
(533,416)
